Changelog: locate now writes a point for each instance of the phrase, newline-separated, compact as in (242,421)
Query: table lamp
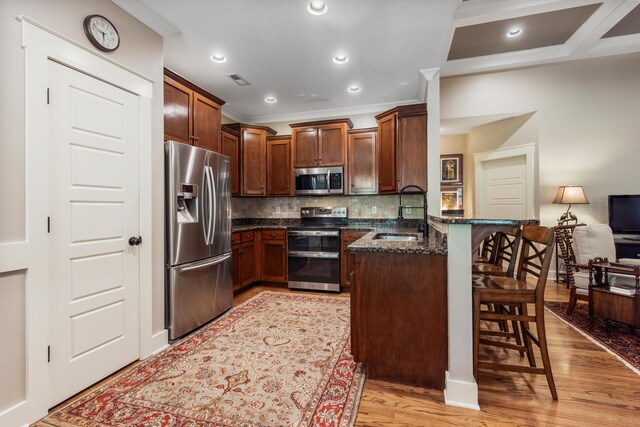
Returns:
(570,195)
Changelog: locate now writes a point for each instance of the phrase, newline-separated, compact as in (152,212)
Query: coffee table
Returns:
(610,305)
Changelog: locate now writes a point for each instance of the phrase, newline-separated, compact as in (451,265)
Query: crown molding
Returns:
(329,113)
(233,115)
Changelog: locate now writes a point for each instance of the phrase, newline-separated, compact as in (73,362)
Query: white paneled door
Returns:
(94,210)
(505,188)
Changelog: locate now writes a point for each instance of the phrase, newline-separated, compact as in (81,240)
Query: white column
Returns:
(432,96)
(460,387)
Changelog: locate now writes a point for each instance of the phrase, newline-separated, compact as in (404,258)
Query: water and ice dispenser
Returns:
(187,203)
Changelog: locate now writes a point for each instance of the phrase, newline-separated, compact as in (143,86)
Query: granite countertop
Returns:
(355,224)
(436,244)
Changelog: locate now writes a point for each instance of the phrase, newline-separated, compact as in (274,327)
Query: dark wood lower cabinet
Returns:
(258,255)
(346,257)
(399,317)
(248,263)
(235,261)
(273,256)
(244,257)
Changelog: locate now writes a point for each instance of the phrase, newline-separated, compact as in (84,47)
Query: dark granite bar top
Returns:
(481,221)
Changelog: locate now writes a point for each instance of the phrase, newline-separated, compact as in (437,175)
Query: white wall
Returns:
(587,123)
(141,49)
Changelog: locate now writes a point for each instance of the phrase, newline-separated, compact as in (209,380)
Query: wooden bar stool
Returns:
(516,293)
(506,244)
(506,254)
(488,250)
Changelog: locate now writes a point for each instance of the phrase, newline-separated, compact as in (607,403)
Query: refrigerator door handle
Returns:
(213,208)
(202,264)
(208,238)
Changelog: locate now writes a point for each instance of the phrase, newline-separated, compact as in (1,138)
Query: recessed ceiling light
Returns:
(317,8)
(218,58)
(354,89)
(270,99)
(340,59)
(514,32)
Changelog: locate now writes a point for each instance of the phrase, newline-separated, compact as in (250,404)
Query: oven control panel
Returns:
(320,212)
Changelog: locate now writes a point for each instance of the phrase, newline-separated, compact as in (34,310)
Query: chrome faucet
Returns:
(425,225)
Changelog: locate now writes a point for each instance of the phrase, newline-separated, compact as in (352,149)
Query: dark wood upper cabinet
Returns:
(253,155)
(362,161)
(230,146)
(279,170)
(321,143)
(306,147)
(332,145)
(254,144)
(412,150)
(191,114)
(206,123)
(178,106)
(402,148)
(387,153)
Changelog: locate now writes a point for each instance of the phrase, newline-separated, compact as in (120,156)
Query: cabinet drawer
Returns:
(248,236)
(274,234)
(236,238)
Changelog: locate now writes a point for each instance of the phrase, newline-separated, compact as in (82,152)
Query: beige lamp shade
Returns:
(570,195)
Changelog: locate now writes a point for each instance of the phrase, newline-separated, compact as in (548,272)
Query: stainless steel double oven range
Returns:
(314,249)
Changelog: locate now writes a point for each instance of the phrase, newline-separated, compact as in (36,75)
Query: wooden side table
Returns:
(610,305)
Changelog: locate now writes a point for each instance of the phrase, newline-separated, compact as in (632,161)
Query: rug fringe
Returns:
(596,342)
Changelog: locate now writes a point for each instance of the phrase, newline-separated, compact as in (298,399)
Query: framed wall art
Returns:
(450,169)
(451,199)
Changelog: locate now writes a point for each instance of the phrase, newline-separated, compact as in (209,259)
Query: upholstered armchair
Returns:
(588,243)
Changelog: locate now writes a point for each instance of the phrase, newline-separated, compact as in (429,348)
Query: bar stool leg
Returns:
(542,338)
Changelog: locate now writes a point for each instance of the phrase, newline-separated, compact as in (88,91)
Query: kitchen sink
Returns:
(396,237)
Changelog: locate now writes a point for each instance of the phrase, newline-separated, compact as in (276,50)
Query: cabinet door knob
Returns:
(195,138)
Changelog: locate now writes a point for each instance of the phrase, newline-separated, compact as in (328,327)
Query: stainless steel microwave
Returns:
(319,181)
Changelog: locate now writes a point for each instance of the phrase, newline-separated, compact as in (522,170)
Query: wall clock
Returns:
(101,33)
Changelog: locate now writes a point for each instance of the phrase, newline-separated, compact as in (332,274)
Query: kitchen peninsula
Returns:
(406,298)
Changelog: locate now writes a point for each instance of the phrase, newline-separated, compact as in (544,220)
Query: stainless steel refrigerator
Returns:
(199,282)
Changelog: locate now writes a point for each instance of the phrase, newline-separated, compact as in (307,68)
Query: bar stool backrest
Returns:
(535,257)
(507,249)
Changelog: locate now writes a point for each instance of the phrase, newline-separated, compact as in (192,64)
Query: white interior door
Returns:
(505,186)
(94,209)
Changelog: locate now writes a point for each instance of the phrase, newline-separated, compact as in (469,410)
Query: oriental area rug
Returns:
(617,339)
(278,359)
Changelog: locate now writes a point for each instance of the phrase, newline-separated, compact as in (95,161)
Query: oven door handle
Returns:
(314,233)
(302,254)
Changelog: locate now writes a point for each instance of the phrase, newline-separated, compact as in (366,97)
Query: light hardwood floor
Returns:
(594,388)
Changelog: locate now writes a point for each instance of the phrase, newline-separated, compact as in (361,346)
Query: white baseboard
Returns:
(463,394)
(158,342)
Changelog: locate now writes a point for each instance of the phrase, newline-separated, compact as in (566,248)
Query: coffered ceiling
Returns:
(287,53)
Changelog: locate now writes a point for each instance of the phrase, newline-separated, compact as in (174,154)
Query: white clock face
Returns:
(104,32)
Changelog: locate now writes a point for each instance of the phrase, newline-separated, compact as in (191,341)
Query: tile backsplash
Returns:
(358,206)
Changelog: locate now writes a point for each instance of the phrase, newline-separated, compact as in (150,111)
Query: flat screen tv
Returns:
(624,214)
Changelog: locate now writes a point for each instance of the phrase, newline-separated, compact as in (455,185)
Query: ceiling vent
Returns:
(238,79)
